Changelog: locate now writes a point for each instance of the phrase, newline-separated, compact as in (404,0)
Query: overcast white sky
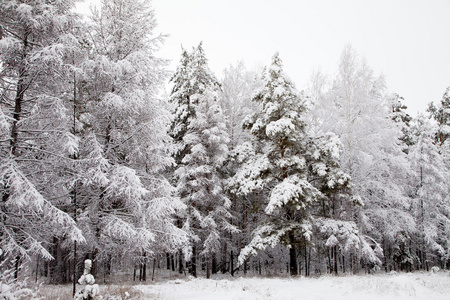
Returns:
(406,40)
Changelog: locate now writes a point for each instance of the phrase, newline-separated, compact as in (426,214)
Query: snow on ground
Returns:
(424,286)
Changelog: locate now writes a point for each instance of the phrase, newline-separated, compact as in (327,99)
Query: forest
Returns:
(239,174)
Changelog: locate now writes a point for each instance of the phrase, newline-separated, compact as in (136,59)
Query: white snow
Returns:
(283,126)
(292,189)
(421,286)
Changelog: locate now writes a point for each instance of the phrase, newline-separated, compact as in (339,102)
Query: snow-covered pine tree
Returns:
(127,206)
(285,161)
(200,183)
(441,113)
(36,141)
(399,115)
(192,79)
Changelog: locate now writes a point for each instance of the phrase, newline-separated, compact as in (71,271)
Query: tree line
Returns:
(239,174)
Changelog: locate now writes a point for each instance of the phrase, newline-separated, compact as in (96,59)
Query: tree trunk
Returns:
(75,207)
(168,260)
(37,268)
(194,262)
(232,263)
(16,267)
(343,263)
(172,260)
(144,271)
(153,271)
(74,282)
(94,259)
(180,262)
(293,267)
(306,262)
(19,98)
(355,263)
(330,266)
(259,267)
(335,260)
(223,263)
(208,269)
(309,261)
(214,267)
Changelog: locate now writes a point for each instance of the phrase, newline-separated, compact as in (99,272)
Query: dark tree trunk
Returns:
(172,260)
(168,261)
(223,263)
(259,267)
(16,267)
(306,262)
(180,262)
(214,264)
(194,262)
(75,207)
(330,266)
(153,271)
(309,261)
(343,264)
(19,98)
(355,263)
(94,261)
(37,268)
(335,260)
(231,263)
(208,269)
(293,267)
(144,271)
(74,281)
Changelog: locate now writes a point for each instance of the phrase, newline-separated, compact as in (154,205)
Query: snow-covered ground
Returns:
(424,286)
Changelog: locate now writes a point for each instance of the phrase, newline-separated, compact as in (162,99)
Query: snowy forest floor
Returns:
(401,286)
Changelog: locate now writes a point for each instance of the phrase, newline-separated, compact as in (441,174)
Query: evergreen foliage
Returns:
(191,78)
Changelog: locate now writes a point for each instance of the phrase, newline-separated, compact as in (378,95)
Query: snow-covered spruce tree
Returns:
(441,113)
(36,141)
(285,162)
(126,205)
(192,77)
(430,194)
(200,182)
(360,114)
(190,81)
(399,115)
